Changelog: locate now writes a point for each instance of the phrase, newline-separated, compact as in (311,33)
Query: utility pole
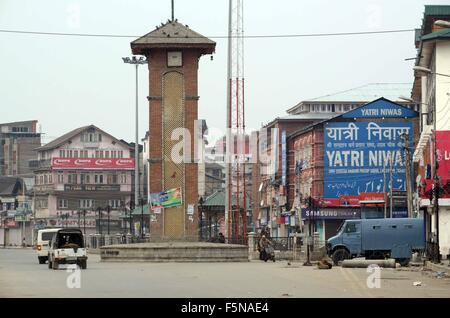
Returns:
(384,189)
(405,138)
(390,187)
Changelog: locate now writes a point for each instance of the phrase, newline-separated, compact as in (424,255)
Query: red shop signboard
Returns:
(443,154)
(93,163)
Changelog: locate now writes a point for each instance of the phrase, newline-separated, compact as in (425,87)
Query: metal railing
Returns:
(281,243)
(95,241)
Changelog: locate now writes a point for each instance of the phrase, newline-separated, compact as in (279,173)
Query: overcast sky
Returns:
(67,82)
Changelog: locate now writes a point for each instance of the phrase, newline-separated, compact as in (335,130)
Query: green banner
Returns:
(167,199)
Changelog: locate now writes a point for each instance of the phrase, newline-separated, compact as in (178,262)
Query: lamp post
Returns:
(308,241)
(108,210)
(135,61)
(428,71)
(200,202)
(99,210)
(141,201)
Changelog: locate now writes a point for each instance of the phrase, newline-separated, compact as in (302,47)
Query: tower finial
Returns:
(173,14)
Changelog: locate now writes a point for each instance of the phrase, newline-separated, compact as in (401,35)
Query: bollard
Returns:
(251,245)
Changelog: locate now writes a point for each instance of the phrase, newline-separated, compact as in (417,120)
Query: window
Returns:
(123,178)
(99,137)
(113,154)
(114,204)
(45,179)
(120,154)
(350,228)
(50,178)
(75,153)
(42,203)
(63,204)
(101,153)
(98,178)
(72,178)
(69,153)
(60,177)
(86,203)
(62,153)
(106,154)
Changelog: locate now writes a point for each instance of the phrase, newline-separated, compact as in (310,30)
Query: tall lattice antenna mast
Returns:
(236,142)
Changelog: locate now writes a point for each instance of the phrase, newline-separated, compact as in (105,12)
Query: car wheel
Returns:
(339,255)
(403,261)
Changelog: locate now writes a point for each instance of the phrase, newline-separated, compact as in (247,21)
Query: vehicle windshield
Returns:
(70,240)
(340,227)
(47,236)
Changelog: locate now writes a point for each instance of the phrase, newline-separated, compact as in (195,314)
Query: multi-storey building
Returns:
(84,177)
(270,189)
(18,141)
(431,90)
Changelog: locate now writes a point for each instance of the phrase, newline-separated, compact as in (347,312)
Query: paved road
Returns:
(22,276)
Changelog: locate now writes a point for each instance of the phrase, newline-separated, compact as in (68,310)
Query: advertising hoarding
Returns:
(357,157)
(93,163)
(167,199)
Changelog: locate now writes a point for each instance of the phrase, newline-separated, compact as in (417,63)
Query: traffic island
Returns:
(175,252)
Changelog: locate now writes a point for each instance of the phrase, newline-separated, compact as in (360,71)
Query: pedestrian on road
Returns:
(24,243)
(221,238)
(264,244)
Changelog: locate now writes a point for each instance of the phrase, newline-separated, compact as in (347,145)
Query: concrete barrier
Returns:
(175,252)
(364,263)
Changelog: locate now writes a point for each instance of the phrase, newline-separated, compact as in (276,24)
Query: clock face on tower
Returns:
(174,59)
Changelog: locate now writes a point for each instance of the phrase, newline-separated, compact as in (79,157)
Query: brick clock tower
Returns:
(173,52)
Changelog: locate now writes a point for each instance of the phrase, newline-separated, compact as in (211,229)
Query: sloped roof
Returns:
(344,115)
(138,210)
(437,10)
(10,185)
(442,34)
(368,92)
(172,34)
(218,199)
(64,138)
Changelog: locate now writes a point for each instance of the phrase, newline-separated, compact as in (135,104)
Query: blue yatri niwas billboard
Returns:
(357,157)
(381,108)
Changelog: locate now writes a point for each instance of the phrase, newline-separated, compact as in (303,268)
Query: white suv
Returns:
(43,239)
(67,247)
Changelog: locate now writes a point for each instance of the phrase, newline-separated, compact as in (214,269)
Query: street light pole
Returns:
(135,61)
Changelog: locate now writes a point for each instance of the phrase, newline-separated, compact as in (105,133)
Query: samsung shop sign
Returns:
(331,214)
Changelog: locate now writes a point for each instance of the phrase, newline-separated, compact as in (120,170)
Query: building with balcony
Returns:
(84,179)
(432,154)
(274,182)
